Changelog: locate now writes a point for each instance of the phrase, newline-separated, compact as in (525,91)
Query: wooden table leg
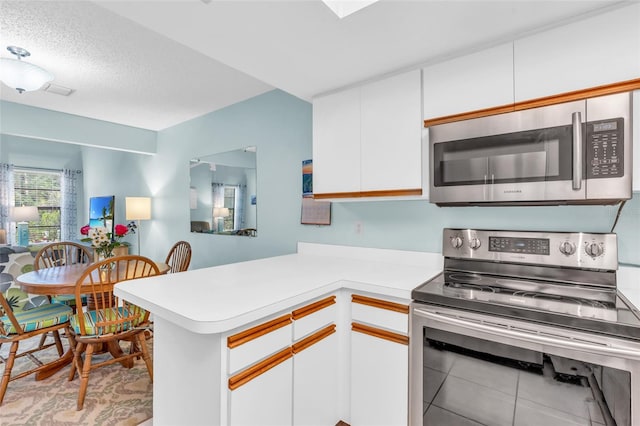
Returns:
(54,366)
(116,351)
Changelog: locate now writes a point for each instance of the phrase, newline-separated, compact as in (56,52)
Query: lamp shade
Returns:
(24,213)
(23,76)
(138,208)
(220,212)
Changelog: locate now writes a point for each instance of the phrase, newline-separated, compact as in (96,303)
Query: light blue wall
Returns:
(279,126)
(37,123)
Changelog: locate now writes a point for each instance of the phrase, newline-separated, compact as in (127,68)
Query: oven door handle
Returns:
(532,337)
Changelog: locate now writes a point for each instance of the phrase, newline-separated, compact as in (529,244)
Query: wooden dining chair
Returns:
(179,257)
(108,319)
(62,253)
(17,325)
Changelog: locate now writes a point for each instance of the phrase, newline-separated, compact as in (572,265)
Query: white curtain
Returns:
(238,219)
(6,199)
(69,205)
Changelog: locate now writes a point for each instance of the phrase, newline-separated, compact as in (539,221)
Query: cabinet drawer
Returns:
(313,317)
(256,343)
(380,313)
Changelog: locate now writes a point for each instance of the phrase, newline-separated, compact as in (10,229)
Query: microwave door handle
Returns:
(576,119)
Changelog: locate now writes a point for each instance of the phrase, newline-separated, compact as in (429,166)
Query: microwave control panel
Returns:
(605,148)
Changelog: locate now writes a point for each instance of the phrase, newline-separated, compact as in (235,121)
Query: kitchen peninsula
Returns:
(286,339)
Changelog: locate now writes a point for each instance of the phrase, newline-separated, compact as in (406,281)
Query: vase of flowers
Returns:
(104,242)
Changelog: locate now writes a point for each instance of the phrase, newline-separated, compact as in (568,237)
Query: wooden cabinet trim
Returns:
(363,194)
(260,368)
(257,331)
(313,339)
(469,115)
(314,307)
(607,89)
(379,333)
(382,304)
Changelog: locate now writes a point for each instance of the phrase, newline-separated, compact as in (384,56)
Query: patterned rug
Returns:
(115,395)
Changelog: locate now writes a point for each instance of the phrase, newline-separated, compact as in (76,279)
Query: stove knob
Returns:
(593,249)
(474,243)
(567,248)
(456,242)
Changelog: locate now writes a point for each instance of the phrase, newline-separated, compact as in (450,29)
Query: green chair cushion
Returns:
(91,329)
(37,318)
(68,299)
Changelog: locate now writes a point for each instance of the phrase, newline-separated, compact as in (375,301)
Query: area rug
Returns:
(115,395)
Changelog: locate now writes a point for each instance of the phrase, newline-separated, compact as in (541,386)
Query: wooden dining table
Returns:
(60,280)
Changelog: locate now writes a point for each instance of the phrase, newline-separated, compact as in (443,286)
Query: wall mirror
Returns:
(223,198)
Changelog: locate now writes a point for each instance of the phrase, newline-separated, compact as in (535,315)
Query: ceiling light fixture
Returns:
(347,7)
(21,75)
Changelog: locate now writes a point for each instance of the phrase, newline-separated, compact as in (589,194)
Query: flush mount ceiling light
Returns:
(21,75)
(347,7)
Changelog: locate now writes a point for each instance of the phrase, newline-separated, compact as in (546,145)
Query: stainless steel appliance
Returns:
(571,153)
(524,328)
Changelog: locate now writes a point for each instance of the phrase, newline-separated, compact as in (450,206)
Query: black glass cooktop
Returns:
(589,308)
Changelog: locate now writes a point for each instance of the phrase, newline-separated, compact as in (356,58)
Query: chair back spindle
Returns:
(61,254)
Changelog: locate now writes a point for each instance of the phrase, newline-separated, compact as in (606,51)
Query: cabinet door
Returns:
(599,50)
(391,131)
(265,399)
(379,381)
(469,83)
(336,142)
(316,384)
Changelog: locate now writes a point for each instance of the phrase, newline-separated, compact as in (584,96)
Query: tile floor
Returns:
(460,390)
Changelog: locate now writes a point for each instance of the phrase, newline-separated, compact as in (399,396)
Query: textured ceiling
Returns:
(156,63)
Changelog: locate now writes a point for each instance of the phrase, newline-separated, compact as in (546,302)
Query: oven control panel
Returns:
(575,249)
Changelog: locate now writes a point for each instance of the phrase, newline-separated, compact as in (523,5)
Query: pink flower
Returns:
(85,230)
(121,230)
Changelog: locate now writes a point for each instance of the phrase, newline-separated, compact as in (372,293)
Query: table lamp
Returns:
(219,213)
(22,215)
(138,208)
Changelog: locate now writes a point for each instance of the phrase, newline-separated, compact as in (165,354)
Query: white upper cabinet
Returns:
(599,50)
(336,142)
(481,80)
(391,129)
(368,138)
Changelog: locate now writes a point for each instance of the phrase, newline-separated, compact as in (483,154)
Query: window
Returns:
(230,203)
(40,189)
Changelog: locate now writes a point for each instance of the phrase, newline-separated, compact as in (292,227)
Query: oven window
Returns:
(529,156)
(469,381)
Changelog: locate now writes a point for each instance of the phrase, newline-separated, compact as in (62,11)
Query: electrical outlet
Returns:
(359,228)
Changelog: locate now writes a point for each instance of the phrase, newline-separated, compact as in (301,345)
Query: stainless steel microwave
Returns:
(578,152)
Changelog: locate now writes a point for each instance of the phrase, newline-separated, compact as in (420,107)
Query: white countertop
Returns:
(221,298)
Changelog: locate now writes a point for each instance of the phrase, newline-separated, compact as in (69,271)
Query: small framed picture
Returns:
(253,200)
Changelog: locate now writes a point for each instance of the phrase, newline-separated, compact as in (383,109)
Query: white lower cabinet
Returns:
(265,400)
(379,381)
(298,368)
(379,362)
(316,384)
(260,373)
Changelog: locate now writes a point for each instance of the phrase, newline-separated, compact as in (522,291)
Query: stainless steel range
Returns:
(524,328)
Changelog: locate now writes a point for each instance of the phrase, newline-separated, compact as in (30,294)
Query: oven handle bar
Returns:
(531,337)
